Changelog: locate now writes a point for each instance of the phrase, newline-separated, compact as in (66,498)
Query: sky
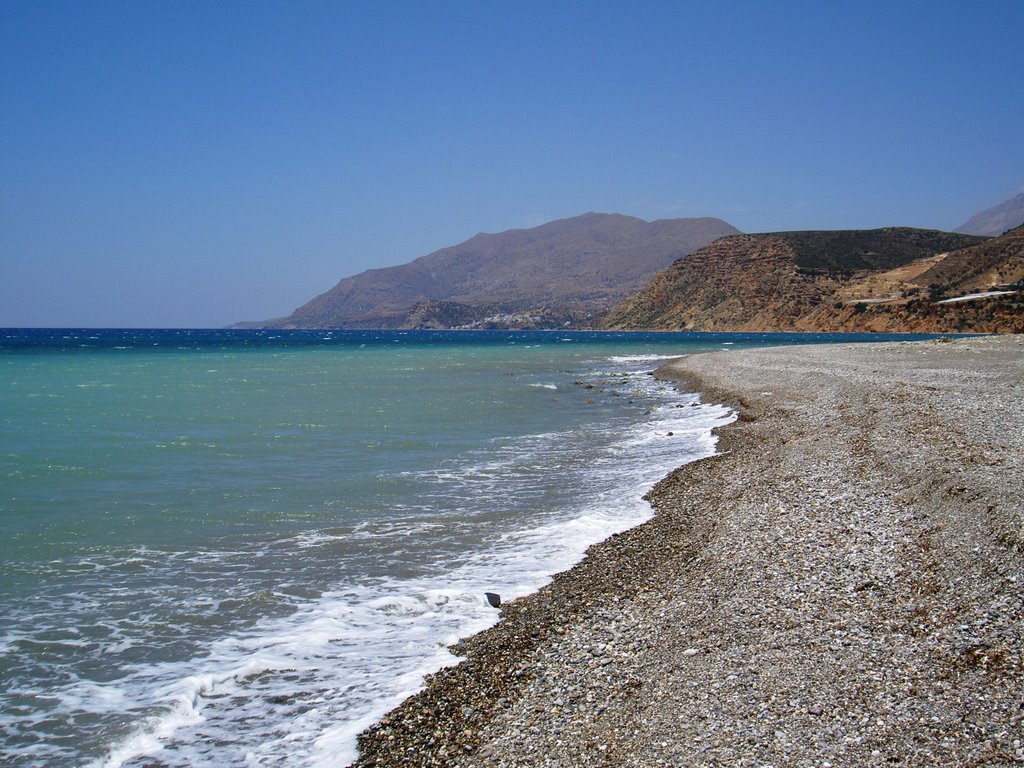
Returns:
(194,164)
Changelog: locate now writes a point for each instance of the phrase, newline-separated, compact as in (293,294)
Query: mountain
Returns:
(563,273)
(996,220)
(893,280)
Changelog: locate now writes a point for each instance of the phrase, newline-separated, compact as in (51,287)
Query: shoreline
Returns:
(814,594)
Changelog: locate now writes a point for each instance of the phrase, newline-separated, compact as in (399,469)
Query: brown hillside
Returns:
(873,280)
(999,261)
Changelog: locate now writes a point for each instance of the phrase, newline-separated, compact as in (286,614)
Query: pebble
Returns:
(844,549)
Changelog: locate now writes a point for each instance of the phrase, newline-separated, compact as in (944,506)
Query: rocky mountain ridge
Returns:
(563,273)
(997,219)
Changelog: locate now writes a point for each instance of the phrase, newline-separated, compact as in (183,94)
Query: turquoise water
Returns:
(241,548)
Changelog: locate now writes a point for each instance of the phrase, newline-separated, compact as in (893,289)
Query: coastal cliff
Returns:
(887,280)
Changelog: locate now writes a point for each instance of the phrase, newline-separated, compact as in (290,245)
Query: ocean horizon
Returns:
(242,547)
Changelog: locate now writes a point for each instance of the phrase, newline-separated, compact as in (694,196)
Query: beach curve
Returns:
(840,585)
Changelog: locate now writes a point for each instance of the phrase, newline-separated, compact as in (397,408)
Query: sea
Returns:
(241,548)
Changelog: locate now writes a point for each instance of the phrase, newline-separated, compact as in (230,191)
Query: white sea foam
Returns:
(295,687)
(626,359)
(314,662)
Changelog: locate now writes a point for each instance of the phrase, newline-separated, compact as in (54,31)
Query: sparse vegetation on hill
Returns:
(619,272)
(856,250)
(886,280)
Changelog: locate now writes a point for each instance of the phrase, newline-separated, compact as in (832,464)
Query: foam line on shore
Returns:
(806,596)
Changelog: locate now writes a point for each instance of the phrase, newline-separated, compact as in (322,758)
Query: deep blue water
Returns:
(174,340)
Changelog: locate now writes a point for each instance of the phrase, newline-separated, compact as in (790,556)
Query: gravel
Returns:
(843,584)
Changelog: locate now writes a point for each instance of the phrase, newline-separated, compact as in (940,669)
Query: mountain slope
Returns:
(869,280)
(563,271)
(995,262)
(998,219)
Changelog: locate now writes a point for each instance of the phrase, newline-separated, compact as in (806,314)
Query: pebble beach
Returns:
(841,585)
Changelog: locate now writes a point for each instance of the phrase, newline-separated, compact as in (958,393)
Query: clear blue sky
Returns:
(198,163)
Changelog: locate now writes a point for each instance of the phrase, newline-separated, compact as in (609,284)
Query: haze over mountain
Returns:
(997,219)
(893,280)
(563,273)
